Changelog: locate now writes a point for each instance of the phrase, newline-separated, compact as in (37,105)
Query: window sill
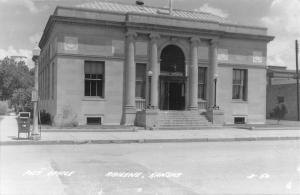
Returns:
(86,98)
(239,101)
(140,98)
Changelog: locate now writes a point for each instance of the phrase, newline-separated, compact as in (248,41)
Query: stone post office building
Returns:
(112,64)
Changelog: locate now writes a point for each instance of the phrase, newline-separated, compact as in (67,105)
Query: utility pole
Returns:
(35,58)
(297,77)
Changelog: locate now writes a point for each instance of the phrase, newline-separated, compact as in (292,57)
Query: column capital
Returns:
(131,35)
(195,40)
(214,42)
(154,36)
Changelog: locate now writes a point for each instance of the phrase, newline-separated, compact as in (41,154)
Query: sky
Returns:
(22,22)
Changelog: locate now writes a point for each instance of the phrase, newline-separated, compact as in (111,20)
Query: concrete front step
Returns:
(187,124)
(184,123)
(185,127)
(183,119)
(180,115)
(177,120)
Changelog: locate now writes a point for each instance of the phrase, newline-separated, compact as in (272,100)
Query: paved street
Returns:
(271,167)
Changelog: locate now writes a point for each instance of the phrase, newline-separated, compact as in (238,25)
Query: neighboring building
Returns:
(282,86)
(19,58)
(115,63)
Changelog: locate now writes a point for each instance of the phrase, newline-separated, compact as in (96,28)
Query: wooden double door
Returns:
(172,93)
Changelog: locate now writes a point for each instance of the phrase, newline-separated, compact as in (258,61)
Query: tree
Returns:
(279,111)
(16,83)
(8,78)
(21,99)
(25,76)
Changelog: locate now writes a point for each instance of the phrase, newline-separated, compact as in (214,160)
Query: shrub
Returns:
(279,112)
(3,107)
(45,118)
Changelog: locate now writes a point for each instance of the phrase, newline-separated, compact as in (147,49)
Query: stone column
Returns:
(155,70)
(130,109)
(213,70)
(193,74)
(214,114)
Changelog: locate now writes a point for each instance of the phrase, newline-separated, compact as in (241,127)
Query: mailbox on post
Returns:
(24,123)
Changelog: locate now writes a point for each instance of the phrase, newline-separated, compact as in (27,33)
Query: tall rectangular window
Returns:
(47,81)
(239,84)
(202,83)
(94,78)
(44,83)
(52,80)
(140,83)
(48,93)
(44,76)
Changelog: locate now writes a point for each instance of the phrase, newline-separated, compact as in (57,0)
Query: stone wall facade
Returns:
(68,43)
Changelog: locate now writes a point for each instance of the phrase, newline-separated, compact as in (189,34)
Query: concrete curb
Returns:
(269,128)
(128,141)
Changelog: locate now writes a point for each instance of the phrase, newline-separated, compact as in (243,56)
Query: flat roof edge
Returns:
(260,34)
(163,16)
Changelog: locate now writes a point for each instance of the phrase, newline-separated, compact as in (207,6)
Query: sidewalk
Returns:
(8,135)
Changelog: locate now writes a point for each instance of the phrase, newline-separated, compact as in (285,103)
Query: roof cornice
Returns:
(47,30)
(218,30)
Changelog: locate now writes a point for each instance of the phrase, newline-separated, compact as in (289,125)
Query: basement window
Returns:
(239,120)
(93,120)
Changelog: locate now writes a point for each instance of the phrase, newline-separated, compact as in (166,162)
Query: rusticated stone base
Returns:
(129,116)
(216,116)
(148,118)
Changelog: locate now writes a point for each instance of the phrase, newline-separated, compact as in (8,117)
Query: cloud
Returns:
(29,4)
(212,10)
(11,51)
(283,22)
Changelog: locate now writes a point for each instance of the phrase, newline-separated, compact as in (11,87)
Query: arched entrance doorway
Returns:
(172,78)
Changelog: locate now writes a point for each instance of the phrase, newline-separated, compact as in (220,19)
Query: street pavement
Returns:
(265,167)
(9,128)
